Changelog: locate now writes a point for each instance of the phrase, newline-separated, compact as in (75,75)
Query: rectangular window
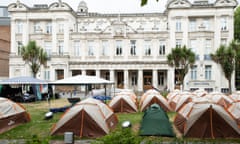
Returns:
(162,48)
(178,25)
(3,12)
(178,43)
(90,48)
(118,48)
(61,27)
(224,23)
(147,48)
(208,46)
(193,45)
(47,74)
(194,73)
(105,48)
(59,73)
(208,72)
(206,24)
(49,28)
(224,41)
(36,27)
(48,48)
(133,47)
(19,27)
(19,47)
(192,26)
(60,47)
(208,90)
(77,50)
(225,90)
(161,78)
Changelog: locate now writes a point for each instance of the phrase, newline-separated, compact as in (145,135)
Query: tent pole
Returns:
(211,120)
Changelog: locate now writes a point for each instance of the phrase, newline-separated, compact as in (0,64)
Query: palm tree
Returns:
(34,55)
(225,56)
(144,2)
(182,59)
(236,46)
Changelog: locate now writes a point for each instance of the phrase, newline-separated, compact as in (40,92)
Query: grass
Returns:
(41,128)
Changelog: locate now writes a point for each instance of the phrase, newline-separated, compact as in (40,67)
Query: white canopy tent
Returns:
(22,80)
(83,80)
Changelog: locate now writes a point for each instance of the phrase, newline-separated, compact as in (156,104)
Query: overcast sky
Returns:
(105,6)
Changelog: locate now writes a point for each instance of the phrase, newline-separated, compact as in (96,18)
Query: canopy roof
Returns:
(81,80)
(22,80)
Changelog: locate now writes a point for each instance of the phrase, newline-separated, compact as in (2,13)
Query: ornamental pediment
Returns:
(179,4)
(59,6)
(225,3)
(17,7)
(118,29)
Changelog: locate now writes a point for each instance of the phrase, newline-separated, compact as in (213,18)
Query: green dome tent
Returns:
(155,122)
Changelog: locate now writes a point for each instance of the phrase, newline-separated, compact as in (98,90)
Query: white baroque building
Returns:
(130,49)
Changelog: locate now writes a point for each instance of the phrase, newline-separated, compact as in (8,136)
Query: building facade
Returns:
(4,42)
(130,49)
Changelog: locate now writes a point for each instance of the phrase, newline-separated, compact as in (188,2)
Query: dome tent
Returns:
(87,118)
(123,103)
(11,115)
(155,122)
(150,99)
(206,120)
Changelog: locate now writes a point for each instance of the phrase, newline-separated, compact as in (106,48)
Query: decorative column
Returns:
(98,73)
(170,79)
(155,78)
(83,72)
(126,79)
(111,75)
(13,37)
(140,80)
(25,32)
(66,48)
(54,36)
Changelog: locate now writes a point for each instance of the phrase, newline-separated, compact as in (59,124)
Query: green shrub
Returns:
(123,136)
(36,140)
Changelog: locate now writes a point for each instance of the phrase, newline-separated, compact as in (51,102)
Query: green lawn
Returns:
(41,128)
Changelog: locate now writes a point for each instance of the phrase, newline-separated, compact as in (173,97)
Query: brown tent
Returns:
(123,102)
(206,120)
(148,99)
(11,115)
(219,98)
(88,118)
(177,101)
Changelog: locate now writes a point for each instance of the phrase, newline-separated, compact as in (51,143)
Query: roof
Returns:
(22,80)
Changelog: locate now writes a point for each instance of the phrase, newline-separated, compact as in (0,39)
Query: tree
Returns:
(237,24)
(144,2)
(34,55)
(236,47)
(182,59)
(225,56)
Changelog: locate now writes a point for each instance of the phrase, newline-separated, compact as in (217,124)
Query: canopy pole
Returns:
(105,91)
